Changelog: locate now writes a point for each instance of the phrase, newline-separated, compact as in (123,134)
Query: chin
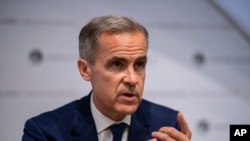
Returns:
(128,110)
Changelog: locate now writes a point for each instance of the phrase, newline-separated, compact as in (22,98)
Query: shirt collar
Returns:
(102,121)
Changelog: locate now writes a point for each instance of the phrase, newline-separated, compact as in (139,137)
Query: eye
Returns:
(117,64)
(140,65)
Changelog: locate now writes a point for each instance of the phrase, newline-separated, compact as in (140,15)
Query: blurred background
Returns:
(199,59)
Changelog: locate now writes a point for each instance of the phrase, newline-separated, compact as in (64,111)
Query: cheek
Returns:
(141,83)
(106,81)
(142,78)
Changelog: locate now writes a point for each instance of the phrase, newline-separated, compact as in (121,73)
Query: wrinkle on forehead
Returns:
(129,54)
(123,51)
(123,37)
(132,44)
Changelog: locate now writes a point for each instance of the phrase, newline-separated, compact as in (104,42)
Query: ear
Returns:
(84,69)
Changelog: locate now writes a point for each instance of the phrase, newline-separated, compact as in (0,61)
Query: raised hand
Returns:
(172,134)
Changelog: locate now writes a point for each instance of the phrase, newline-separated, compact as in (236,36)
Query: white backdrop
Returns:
(198,62)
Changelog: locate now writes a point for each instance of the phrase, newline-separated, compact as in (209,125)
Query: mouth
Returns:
(129,94)
(129,98)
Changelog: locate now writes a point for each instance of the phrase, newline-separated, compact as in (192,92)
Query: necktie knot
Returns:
(117,131)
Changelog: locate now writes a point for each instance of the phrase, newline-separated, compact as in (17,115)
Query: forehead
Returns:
(124,40)
(130,44)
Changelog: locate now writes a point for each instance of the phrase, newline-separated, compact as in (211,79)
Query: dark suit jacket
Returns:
(74,122)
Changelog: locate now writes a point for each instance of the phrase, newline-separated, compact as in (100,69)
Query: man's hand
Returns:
(172,134)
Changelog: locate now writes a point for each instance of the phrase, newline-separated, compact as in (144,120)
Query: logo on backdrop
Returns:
(203,126)
(36,56)
(199,58)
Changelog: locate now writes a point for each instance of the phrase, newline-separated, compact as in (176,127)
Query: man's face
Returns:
(118,74)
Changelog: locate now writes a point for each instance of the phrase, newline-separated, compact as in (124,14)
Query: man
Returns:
(113,57)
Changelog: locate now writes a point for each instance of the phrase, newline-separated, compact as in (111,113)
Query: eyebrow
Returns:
(117,58)
(140,58)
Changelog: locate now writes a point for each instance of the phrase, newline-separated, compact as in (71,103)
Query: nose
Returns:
(130,77)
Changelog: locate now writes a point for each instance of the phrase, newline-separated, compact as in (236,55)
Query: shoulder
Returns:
(157,115)
(57,123)
(58,113)
(155,108)
(61,116)
(52,119)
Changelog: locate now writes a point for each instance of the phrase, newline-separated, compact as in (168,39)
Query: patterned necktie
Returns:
(117,131)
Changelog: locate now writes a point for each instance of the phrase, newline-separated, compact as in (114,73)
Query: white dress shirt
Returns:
(102,123)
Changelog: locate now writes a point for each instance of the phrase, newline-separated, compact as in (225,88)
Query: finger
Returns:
(183,125)
(162,136)
(174,133)
(154,139)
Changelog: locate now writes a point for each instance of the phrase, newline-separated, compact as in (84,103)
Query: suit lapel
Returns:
(137,131)
(139,127)
(83,127)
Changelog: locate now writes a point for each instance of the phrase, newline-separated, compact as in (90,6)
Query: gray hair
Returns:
(88,37)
